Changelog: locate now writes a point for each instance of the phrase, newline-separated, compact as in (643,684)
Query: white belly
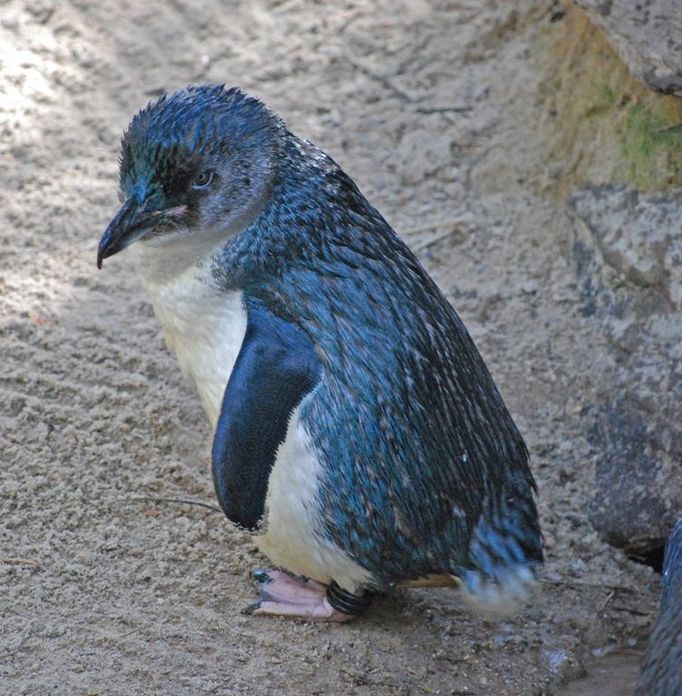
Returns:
(205,328)
(293,532)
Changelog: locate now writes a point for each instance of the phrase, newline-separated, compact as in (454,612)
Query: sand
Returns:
(433,109)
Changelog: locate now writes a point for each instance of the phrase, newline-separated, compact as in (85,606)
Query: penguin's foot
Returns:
(287,595)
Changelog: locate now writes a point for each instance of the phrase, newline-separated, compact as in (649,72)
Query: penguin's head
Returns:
(196,167)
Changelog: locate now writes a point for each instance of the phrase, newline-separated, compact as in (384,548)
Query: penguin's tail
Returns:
(505,555)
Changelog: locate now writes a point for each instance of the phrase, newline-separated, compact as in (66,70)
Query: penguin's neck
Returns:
(203,324)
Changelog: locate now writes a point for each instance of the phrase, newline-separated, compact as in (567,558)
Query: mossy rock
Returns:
(602,125)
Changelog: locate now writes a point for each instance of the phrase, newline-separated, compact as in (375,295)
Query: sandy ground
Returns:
(435,110)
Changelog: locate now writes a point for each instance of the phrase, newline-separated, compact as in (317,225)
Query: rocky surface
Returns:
(628,255)
(647,35)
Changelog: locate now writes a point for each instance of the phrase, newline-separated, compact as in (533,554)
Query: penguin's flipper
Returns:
(276,367)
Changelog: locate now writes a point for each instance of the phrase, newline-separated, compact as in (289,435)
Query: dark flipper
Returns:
(276,367)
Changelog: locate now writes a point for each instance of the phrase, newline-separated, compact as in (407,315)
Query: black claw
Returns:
(261,576)
(346,602)
(248,611)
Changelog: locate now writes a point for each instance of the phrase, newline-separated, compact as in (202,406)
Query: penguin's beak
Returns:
(129,224)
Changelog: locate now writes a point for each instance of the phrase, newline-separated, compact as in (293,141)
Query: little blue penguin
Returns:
(357,431)
(661,673)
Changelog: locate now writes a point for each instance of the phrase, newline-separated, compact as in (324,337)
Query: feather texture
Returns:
(416,467)
(425,470)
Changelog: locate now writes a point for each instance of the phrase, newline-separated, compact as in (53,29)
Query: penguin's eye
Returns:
(202,180)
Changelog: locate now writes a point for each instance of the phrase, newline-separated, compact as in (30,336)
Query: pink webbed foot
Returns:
(287,595)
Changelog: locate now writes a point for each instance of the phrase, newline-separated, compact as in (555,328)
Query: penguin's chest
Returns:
(293,536)
(205,329)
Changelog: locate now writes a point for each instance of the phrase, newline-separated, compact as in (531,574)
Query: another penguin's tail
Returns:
(505,555)
(672,567)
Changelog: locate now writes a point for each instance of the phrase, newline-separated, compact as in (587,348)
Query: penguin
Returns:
(661,672)
(358,435)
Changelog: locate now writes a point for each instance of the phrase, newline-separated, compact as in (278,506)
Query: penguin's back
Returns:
(424,471)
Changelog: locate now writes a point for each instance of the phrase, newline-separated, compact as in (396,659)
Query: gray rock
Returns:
(628,258)
(647,36)
(661,673)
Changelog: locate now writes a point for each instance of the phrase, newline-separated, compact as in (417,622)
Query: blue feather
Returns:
(661,673)
(424,471)
(406,415)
